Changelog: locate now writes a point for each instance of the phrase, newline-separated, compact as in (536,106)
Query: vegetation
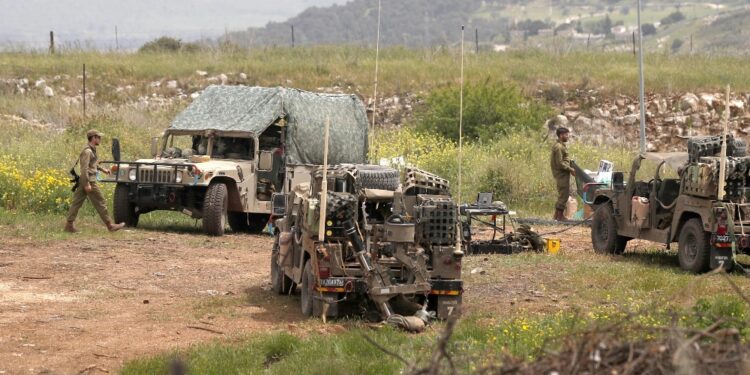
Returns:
(491,109)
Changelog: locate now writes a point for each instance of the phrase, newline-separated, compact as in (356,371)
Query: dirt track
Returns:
(89,305)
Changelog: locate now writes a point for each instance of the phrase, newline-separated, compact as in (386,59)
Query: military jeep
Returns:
(388,249)
(685,209)
(224,157)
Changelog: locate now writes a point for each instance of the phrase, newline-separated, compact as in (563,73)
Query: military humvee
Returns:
(685,209)
(224,157)
(387,247)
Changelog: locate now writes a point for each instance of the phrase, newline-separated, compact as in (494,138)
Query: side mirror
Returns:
(115,149)
(618,182)
(154,146)
(278,205)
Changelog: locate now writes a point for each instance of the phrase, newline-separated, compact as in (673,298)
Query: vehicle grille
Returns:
(161,176)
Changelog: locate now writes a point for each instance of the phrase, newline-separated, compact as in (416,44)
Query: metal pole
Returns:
(292,36)
(371,138)
(117,40)
(324,186)
(633,43)
(461,117)
(52,42)
(642,84)
(723,161)
(84,92)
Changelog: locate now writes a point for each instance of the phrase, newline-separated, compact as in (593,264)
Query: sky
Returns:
(93,22)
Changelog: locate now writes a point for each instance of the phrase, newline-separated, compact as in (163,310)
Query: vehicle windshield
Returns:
(185,146)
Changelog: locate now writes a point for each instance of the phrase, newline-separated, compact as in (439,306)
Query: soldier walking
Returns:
(88,187)
(561,170)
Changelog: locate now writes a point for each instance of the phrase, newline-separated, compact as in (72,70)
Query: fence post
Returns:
(52,42)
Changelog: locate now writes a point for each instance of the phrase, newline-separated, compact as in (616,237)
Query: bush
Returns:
(676,45)
(648,29)
(673,18)
(491,109)
(166,44)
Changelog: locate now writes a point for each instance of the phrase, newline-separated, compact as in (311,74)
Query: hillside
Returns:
(511,24)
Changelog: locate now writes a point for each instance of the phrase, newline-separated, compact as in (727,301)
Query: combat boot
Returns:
(70,228)
(559,215)
(115,227)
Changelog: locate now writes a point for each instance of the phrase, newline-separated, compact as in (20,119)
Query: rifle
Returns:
(76,180)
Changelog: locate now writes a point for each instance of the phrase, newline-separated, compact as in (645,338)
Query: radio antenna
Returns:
(461,116)
(377,71)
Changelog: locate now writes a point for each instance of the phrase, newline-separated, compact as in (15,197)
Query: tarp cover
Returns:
(253,109)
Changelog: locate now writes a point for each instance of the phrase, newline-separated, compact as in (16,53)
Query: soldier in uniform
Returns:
(561,170)
(88,186)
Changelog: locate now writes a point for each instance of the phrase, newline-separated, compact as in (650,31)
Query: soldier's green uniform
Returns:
(89,166)
(561,170)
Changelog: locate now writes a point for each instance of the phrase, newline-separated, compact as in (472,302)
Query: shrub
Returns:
(42,190)
(491,109)
(163,44)
(648,29)
(673,18)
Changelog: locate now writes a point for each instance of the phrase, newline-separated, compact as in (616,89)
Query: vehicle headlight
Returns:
(178,178)
(131,175)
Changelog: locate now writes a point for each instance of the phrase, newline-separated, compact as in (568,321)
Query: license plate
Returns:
(332,282)
(724,239)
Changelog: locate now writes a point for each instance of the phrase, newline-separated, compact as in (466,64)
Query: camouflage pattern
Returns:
(253,109)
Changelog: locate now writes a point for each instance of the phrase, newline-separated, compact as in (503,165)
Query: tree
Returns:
(163,44)
(491,109)
(673,18)
(676,44)
(648,29)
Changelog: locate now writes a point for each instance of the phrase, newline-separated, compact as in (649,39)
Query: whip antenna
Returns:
(377,71)
(461,117)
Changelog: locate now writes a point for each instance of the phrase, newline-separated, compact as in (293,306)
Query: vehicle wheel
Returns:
(280,283)
(694,249)
(215,210)
(377,177)
(307,294)
(124,211)
(238,221)
(604,235)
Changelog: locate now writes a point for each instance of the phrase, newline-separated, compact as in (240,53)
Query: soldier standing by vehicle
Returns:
(561,171)
(88,186)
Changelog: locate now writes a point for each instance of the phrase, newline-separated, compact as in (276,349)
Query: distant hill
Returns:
(716,26)
(410,23)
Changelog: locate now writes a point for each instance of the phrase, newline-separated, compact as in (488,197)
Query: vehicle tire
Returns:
(694,248)
(377,177)
(307,292)
(239,222)
(215,210)
(124,211)
(280,283)
(604,235)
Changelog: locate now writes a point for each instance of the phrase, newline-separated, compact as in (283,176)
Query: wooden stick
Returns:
(206,329)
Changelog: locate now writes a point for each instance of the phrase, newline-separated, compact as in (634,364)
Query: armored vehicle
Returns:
(388,248)
(709,230)
(224,157)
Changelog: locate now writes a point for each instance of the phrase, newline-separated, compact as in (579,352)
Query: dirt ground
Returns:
(89,305)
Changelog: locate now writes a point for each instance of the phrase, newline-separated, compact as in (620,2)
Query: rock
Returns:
(559,121)
(689,103)
(172,84)
(582,122)
(48,92)
(21,90)
(572,114)
(195,95)
(23,82)
(40,83)
(600,113)
(155,84)
(707,99)
(478,270)
(201,73)
(736,107)
(223,78)
(243,76)
(621,103)
(630,120)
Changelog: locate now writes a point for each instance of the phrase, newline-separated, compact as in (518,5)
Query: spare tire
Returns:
(377,177)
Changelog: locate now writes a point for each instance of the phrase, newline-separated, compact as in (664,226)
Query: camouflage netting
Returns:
(253,109)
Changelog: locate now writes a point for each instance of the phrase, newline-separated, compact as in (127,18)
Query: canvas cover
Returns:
(253,109)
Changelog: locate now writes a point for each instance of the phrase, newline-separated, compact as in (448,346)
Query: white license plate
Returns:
(723,239)
(332,282)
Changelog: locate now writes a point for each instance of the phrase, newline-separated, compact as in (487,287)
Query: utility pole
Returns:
(641,89)
(52,42)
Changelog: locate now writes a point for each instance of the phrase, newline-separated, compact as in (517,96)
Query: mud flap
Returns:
(447,306)
(721,256)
